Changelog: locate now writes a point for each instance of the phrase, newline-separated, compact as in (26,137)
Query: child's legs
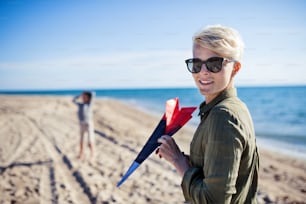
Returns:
(91,139)
(83,129)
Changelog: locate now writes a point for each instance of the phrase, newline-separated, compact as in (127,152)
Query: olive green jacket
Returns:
(223,154)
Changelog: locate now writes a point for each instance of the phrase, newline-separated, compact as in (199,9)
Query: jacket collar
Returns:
(227,93)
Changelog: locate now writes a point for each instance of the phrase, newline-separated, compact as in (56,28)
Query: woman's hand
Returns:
(171,152)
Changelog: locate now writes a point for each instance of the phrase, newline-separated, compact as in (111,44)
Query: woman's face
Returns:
(211,84)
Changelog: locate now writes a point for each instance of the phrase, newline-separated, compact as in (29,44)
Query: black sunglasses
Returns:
(213,64)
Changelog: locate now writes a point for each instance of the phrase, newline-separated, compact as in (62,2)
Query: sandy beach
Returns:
(39,147)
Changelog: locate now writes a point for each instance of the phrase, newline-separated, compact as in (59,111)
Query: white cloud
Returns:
(119,70)
(154,68)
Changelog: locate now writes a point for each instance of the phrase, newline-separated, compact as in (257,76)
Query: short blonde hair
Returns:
(224,41)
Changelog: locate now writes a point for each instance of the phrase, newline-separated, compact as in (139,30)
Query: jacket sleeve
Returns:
(215,181)
(93,97)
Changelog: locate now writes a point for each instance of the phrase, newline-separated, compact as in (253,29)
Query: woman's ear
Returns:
(236,68)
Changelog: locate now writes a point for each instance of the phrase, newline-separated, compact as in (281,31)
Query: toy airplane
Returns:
(172,120)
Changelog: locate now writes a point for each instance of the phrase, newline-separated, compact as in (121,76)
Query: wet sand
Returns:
(39,147)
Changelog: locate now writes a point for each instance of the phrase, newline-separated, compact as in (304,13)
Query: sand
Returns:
(39,147)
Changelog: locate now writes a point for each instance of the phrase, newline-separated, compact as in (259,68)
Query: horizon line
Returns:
(144,88)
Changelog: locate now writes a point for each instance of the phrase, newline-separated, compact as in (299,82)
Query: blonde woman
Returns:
(223,163)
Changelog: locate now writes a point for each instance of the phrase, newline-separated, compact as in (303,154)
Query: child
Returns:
(86,121)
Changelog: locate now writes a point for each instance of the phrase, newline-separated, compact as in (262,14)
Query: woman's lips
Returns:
(205,82)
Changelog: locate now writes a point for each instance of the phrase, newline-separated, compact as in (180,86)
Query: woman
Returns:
(223,162)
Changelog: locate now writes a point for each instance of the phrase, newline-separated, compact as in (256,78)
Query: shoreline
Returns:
(282,148)
(39,148)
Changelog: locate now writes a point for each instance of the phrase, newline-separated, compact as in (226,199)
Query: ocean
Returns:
(279,113)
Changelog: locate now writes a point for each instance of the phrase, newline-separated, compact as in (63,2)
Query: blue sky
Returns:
(55,44)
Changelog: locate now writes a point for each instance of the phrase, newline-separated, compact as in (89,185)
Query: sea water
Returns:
(279,113)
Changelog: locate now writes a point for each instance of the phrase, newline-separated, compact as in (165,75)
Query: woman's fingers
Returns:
(157,152)
(166,144)
(163,139)
(168,148)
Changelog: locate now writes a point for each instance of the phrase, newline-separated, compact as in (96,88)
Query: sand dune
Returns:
(39,147)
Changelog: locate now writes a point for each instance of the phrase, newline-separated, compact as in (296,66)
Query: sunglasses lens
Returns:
(214,64)
(194,65)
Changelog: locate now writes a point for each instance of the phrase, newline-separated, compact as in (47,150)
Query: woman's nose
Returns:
(204,69)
